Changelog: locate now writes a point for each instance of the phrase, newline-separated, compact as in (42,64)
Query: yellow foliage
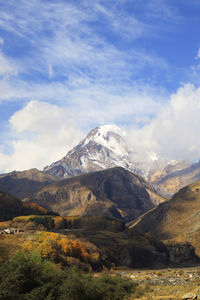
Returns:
(51,245)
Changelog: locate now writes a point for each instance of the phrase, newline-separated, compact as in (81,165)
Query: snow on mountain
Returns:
(104,147)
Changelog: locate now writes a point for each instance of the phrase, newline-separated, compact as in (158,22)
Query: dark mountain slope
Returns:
(11,207)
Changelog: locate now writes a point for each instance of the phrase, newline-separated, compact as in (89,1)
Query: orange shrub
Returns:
(51,245)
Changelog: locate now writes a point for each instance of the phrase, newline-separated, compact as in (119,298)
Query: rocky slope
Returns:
(114,193)
(174,177)
(25,183)
(176,220)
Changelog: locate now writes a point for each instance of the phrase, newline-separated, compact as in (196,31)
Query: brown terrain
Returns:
(115,192)
(176,220)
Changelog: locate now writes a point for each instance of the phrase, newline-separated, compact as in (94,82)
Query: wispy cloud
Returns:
(62,35)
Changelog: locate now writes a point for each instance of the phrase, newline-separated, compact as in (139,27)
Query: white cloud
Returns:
(1,41)
(174,132)
(43,134)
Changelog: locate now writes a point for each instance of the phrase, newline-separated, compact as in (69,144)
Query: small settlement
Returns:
(11,231)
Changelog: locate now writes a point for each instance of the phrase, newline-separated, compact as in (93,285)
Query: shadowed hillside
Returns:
(25,184)
(11,207)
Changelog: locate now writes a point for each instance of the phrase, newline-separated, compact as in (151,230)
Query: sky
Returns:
(69,66)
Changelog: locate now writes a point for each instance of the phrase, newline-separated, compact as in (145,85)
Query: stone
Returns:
(189,296)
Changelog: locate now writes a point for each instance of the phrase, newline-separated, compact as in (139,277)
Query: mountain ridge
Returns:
(106,147)
(23,184)
(114,192)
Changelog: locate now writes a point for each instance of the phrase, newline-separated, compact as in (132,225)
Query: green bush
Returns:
(27,277)
(84,286)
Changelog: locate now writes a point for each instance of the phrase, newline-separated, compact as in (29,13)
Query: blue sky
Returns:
(68,66)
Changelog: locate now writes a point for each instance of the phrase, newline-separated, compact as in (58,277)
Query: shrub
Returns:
(28,277)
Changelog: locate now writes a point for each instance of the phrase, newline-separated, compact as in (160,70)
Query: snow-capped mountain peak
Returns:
(108,136)
(104,147)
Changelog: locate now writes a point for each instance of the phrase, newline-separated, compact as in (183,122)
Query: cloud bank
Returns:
(174,132)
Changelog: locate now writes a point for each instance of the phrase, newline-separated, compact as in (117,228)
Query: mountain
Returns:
(175,176)
(25,183)
(175,220)
(115,192)
(11,207)
(104,147)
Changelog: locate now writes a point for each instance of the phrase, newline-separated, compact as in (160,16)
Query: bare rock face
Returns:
(114,193)
(174,177)
(179,253)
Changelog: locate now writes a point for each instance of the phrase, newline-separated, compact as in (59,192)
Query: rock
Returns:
(189,296)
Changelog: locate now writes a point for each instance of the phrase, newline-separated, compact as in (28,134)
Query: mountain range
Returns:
(104,147)
(107,146)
